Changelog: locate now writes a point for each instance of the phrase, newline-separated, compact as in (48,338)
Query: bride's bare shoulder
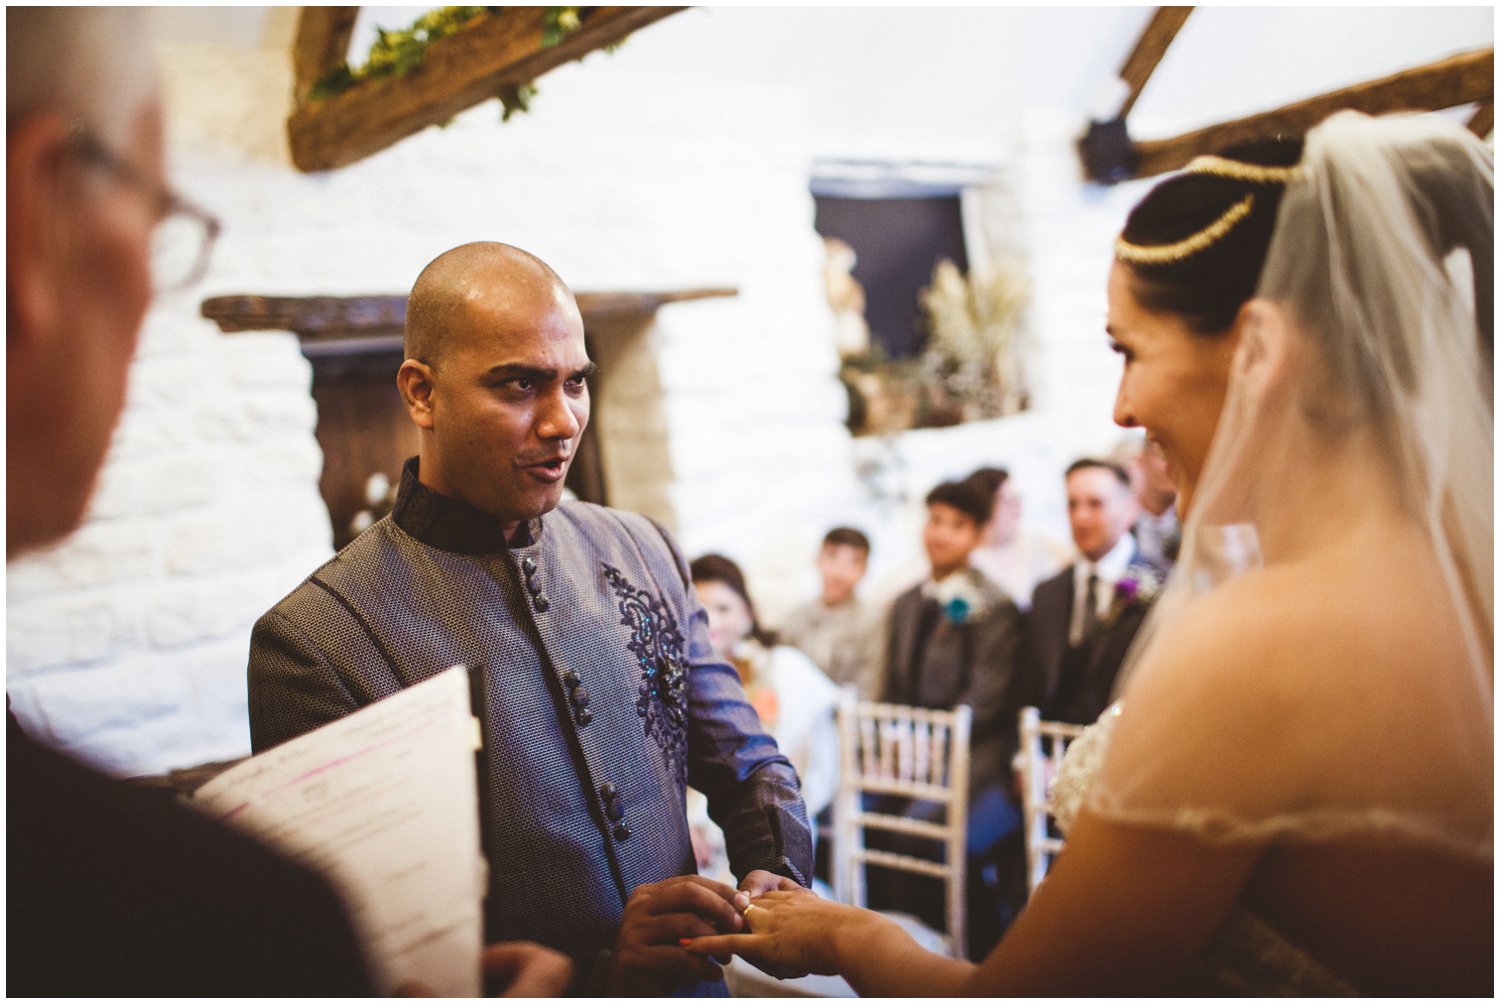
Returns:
(1292,627)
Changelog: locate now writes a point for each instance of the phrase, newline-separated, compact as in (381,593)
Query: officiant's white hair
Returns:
(95,63)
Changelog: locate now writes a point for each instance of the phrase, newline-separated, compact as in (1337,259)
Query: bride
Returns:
(1295,793)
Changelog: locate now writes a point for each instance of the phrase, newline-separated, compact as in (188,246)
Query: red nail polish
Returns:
(684,942)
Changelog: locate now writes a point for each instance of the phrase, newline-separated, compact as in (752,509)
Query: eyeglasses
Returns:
(184,234)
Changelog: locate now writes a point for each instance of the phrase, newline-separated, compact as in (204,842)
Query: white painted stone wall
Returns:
(127,643)
(724,418)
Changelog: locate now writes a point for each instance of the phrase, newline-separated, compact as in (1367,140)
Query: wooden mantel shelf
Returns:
(359,321)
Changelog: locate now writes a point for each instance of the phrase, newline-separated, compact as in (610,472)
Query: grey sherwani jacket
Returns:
(603,700)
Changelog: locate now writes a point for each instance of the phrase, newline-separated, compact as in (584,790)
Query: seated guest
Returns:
(112,889)
(793,697)
(955,639)
(839,631)
(1084,618)
(1010,557)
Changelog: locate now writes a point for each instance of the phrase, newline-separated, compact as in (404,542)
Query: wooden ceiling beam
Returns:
(1148,52)
(322,43)
(502,50)
(1482,122)
(1458,80)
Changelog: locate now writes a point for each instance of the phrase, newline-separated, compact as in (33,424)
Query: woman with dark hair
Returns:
(1295,793)
(793,697)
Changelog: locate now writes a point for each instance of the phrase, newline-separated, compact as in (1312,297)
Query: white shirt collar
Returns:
(1110,568)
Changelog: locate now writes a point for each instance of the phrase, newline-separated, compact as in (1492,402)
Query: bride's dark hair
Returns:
(1183,257)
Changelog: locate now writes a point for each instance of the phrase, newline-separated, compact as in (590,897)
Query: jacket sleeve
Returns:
(997,686)
(753,792)
(293,687)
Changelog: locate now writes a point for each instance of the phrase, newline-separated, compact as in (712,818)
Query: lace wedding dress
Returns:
(1248,956)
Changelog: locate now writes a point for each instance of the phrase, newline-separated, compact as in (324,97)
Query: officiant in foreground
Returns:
(114,890)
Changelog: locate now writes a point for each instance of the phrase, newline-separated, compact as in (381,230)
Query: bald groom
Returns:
(604,698)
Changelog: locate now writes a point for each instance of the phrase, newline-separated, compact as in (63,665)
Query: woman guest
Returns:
(1295,793)
(793,697)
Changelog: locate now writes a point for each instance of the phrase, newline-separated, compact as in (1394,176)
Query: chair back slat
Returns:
(904,752)
(1043,746)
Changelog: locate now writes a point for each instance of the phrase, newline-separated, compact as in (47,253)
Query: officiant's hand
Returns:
(513,969)
(525,969)
(649,959)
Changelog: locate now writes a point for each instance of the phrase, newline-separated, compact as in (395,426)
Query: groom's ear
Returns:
(1264,348)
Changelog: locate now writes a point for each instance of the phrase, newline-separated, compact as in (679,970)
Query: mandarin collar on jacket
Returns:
(450,524)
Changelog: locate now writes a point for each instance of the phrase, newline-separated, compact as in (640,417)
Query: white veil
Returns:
(1280,690)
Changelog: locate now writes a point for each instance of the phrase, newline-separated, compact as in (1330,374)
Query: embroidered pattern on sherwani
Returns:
(656,644)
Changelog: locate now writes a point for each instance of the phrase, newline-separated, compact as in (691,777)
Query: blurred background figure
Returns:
(1157,530)
(956,639)
(839,631)
(793,697)
(1084,618)
(1012,558)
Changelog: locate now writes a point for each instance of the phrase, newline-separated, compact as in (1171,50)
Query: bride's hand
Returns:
(791,932)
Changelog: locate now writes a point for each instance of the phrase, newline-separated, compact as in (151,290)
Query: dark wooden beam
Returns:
(500,51)
(1482,122)
(309,316)
(331,318)
(1457,80)
(1148,51)
(322,43)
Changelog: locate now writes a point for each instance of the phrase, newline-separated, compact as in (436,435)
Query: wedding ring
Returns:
(751,920)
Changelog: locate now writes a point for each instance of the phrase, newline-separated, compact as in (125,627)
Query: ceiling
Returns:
(953,83)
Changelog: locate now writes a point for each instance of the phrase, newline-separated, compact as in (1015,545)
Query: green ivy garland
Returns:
(398,52)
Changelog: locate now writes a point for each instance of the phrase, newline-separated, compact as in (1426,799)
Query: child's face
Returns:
(949,536)
(841,566)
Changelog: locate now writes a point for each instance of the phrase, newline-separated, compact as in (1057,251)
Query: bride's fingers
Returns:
(722,944)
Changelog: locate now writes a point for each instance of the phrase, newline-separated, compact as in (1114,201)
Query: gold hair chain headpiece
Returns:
(1219,167)
(1166,254)
(1239,170)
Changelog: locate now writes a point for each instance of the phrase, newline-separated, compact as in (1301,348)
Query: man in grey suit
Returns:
(1084,618)
(603,698)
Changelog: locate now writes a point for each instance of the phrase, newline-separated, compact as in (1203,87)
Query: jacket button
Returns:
(528,566)
(571,680)
(614,810)
(581,696)
(541,604)
(585,716)
(622,832)
(608,790)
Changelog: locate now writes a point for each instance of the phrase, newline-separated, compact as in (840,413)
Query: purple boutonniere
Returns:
(1139,584)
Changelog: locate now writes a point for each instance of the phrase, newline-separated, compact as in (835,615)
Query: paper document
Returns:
(383,802)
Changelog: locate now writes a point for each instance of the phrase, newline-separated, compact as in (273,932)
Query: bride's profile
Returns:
(1294,793)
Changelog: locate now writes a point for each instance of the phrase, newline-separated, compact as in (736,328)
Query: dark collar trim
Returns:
(450,524)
